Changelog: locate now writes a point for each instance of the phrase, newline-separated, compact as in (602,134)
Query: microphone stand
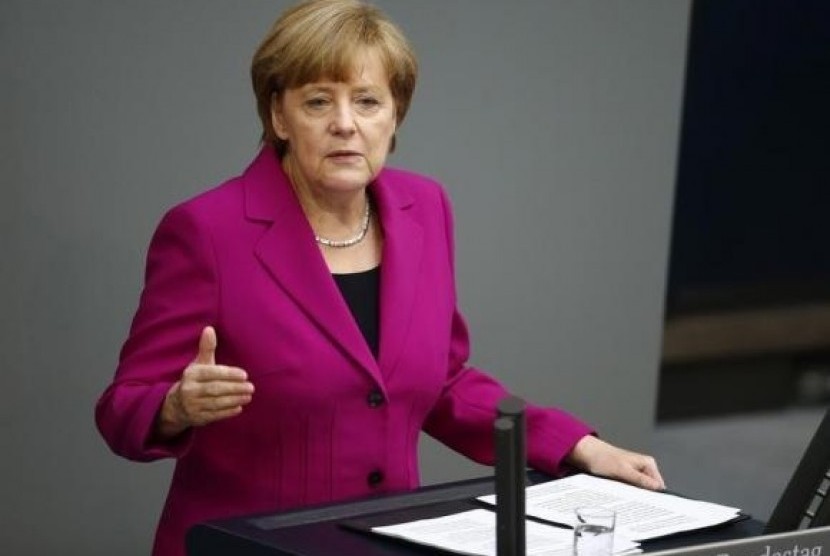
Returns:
(511,465)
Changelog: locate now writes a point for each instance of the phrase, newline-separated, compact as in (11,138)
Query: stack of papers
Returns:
(474,532)
(641,514)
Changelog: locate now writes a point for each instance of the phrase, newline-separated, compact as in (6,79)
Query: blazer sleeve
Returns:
(464,415)
(179,299)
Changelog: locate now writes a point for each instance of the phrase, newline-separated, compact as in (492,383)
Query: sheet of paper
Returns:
(474,532)
(641,514)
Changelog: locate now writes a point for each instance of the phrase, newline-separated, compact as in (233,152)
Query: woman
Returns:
(298,327)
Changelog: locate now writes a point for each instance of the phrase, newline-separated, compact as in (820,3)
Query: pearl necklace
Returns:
(340,244)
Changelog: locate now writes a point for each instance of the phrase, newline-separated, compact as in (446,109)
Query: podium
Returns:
(336,529)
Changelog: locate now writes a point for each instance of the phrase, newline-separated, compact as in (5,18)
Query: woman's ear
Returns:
(277,118)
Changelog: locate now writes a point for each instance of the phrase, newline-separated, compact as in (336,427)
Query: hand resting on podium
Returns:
(601,458)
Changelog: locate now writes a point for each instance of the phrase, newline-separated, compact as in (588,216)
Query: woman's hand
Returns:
(600,458)
(207,392)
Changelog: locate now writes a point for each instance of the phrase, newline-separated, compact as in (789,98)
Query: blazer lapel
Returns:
(400,267)
(289,253)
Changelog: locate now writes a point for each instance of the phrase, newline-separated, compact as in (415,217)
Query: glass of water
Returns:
(594,532)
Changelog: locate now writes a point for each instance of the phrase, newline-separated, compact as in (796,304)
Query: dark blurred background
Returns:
(748,293)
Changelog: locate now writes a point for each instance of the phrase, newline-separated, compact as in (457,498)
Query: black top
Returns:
(361,290)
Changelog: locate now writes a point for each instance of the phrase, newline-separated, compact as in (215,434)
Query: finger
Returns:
(225,413)
(217,388)
(213,416)
(195,394)
(653,471)
(648,466)
(641,475)
(202,410)
(638,479)
(211,373)
(649,482)
(207,347)
(221,403)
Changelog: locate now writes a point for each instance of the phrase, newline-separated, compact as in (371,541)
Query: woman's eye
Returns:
(316,103)
(368,102)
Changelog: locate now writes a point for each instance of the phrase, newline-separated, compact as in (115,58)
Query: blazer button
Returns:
(375,478)
(375,398)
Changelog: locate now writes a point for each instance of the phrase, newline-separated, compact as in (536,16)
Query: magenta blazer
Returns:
(328,421)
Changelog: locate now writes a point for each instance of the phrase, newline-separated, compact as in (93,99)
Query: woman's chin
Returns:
(346,180)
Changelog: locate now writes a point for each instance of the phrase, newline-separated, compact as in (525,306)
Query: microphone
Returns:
(511,464)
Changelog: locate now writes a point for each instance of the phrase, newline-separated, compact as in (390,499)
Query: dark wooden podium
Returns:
(336,529)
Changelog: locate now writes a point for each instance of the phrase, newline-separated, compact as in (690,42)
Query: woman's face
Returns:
(338,133)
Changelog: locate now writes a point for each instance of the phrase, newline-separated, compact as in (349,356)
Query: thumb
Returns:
(207,347)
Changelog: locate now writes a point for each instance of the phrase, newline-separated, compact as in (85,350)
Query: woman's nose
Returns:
(342,122)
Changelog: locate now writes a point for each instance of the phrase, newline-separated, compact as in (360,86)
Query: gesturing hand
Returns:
(206,392)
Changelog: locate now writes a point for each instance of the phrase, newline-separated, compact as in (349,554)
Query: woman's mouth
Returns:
(344,156)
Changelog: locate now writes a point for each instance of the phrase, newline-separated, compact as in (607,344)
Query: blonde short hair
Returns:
(322,39)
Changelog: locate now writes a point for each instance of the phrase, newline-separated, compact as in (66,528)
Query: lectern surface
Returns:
(333,530)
